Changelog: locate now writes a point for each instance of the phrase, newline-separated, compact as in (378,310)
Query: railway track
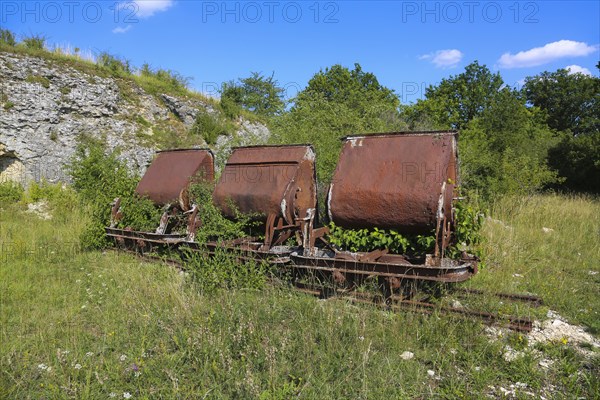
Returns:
(398,302)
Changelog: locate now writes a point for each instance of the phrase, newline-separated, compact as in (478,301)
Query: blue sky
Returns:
(407,44)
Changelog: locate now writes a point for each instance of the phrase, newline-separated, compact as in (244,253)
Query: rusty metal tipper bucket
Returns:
(166,183)
(277,182)
(402,181)
(171,172)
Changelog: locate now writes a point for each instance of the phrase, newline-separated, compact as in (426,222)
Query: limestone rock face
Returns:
(45,106)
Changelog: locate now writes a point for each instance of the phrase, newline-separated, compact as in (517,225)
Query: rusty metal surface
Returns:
(394,181)
(170,172)
(270,180)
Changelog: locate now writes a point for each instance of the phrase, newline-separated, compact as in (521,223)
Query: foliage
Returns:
(368,239)
(467,230)
(167,79)
(505,149)
(578,160)
(99,176)
(7,37)
(571,101)
(116,65)
(467,236)
(337,102)
(214,225)
(357,89)
(256,93)
(42,80)
(224,270)
(457,100)
(34,42)
(209,126)
(146,330)
(10,192)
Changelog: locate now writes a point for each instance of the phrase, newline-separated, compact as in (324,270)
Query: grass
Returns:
(83,325)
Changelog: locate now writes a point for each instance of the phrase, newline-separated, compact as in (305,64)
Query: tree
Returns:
(505,149)
(458,99)
(256,93)
(337,102)
(572,101)
(358,90)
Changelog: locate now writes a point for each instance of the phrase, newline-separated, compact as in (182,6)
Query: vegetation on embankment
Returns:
(77,324)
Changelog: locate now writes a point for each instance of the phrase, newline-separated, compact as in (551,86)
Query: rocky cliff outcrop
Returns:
(45,106)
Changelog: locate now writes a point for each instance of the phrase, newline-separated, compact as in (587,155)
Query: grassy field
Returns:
(91,325)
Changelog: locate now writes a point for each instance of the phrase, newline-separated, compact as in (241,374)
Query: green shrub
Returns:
(209,127)
(214,225)
(172,80)
(7,37)
(34,42)
(114,64)
(366,240)
(99,177)
(10,192)
(467,236)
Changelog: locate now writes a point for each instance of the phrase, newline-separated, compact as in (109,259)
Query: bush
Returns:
(7,37)
(172,79)
(209,127)
(114,64)
(578,160)
(10,192)
(99,177)
(35,42)
(214,225)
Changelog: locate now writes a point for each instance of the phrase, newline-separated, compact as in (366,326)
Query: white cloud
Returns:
(145,8)
(547,53)
(576,69)
(120,29)
(444,58)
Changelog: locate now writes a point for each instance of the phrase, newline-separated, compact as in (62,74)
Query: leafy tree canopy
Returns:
(256,93)
(571,101)
(458,99)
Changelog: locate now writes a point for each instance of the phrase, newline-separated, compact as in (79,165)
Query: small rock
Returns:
(431,373)
(547,230)
(407,355)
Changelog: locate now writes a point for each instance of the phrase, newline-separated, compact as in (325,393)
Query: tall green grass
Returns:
(85,325)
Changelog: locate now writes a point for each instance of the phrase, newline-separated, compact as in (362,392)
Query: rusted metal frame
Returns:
(452,277)
(401,268)
(534,300)
(513,323)
(116,213)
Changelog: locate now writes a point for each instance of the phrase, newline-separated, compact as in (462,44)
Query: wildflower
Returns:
(407,355)
(43,367)
(564,340)
(126,395)
(431,373)
(78,366)
(134,367)
(89,354)
(112,394)
(123,357)
(361,338)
